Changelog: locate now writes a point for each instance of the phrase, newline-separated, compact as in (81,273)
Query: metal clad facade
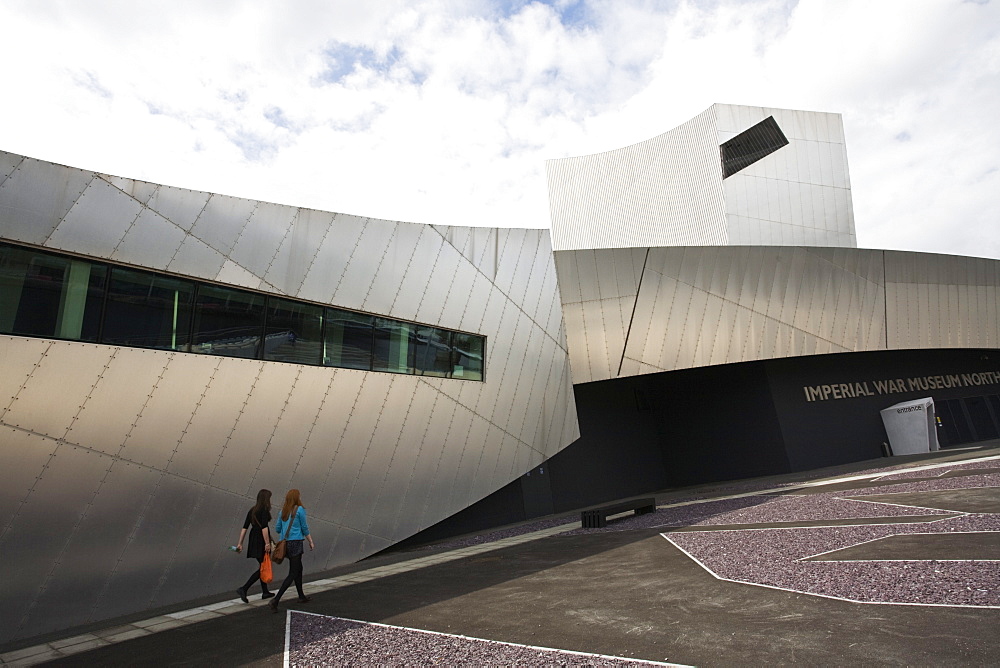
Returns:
(141,464)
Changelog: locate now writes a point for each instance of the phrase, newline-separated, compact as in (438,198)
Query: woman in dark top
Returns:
(259,543)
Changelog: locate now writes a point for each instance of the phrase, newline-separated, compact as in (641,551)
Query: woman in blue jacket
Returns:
(293,520)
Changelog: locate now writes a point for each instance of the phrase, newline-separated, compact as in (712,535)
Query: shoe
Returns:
(242,593)
(266,595)
(305,599)
(273,605)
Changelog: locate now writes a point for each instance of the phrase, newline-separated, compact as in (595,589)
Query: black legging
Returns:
(294,575)
(255,577)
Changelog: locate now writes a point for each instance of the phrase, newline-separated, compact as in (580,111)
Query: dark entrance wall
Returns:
(671,429)
(823,432)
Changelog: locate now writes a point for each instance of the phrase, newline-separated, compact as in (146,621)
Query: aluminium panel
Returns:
(497,304)
(421,282)
(260,239)
(511,242)
(524,276)
(213,419)
(140,191)
(541,282)
(18,358)
(428,479)
(465,303)
(445,297)
(394,259)
(363,263)
(477,451)
(36,196)
(484,250)
(378,456)
(90,557)
(353,447)
(568,275)
(166,415)
(8,163)
(387,508)
(586,267)
(325,440)
(233,274)
(151,242)
(326,268)
(298,249)
(598,352)
(23,457)
(97,222)
(486,469)
(178,205)
(346,547)
(57,502)
(195,258)
(287,444)
(222,220)
(186,576)
(459,464)
(68,371)
(119,394)
(549,313)
(522,404)
(243,453)
(542,295)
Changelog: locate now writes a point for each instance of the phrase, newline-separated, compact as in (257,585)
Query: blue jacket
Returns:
(299,528)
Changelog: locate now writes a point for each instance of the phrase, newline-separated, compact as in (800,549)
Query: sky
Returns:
(445,111)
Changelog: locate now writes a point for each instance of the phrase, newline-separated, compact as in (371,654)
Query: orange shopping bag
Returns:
(266,574)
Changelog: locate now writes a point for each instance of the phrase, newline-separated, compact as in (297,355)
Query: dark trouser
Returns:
(294,575)
(254,578)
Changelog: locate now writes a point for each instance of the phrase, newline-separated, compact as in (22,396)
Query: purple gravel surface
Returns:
(316,640)
(935,485)
(772,556)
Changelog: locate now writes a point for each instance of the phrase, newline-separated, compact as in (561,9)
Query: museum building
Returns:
(698,311)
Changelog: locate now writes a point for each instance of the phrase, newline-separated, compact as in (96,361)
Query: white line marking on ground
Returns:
(288,636)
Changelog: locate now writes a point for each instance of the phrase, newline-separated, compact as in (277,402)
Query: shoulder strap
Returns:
(291,518)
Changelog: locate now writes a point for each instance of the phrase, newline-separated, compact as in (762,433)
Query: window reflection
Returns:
(294,332)
(227,322)
(147,311)
(52,296)
(432,352)
(468,358)
(394,346)
(348,340)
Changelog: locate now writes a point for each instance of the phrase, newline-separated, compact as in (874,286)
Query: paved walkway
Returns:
(746,572)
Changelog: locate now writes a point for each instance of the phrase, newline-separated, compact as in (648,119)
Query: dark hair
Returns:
(292,499)
(263,503)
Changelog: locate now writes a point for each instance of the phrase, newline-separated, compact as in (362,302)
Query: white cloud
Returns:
(444,111)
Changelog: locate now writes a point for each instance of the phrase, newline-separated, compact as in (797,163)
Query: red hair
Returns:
(292,499)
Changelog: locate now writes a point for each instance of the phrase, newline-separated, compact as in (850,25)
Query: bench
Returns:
(595,518)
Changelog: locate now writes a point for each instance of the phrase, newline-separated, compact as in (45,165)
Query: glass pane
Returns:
(147,311)
(293,332)
(432,352)
(227,322)
(348,342)
(468,357)
(49,296)
(395,344)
